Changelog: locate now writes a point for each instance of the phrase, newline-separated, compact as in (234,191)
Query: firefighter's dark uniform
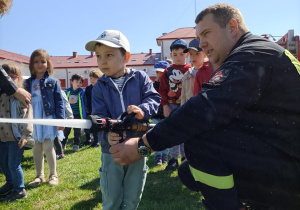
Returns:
(242,131)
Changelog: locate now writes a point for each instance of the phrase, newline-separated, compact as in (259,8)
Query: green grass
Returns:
(79,185)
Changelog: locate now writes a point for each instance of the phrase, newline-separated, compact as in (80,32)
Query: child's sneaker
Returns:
(6,189)
(61,156)
(172,164)
(97,144)
(75,148)
(15,195)
(157,161)
(37,181)
(53,180)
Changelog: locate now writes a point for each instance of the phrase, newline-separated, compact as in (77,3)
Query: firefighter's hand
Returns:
(139,114)
(113,138)
(22,143)
(167,110)
(126,152)
(60,128)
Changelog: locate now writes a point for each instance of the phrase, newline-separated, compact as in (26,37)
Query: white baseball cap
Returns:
(111,38)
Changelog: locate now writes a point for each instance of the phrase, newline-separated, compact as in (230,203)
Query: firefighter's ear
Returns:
(233,27)
(187,54)
(171,55)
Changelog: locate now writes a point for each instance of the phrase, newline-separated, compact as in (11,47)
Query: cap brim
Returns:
(159,69)
(192,48)
(90,46)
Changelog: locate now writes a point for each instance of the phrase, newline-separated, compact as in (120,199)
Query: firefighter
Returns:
(242,140)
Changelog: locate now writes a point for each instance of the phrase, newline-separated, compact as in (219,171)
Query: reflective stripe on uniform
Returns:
(295,62)
(219,182)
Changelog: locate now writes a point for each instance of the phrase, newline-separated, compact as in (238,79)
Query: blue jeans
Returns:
(177,150)
(10,164)
(165,152)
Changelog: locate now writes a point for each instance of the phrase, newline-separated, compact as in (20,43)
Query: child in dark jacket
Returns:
(77,100)
(160,157)
(94,76)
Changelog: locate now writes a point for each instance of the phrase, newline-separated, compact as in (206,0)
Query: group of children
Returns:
(48,101)
(178,83)
(119,90)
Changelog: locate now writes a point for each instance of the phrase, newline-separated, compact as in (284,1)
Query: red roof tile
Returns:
(14,56)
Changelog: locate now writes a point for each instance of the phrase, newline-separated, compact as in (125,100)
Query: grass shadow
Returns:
(92,203)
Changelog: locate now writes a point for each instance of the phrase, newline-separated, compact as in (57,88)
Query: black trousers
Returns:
(77,133)
(264,177)
(58,147)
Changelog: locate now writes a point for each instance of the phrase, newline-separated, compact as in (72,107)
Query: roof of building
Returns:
(180,33)
(74,61)
(14,57)
(87,61)
(144,59)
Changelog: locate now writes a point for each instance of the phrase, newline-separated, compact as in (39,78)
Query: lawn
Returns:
(79,185)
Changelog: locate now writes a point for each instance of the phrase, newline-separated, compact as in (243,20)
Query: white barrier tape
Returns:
(72,123)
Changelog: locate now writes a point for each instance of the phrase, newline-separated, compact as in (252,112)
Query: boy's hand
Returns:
(167,110)
(113,138)
(22,143)
(137,110)
(60,128)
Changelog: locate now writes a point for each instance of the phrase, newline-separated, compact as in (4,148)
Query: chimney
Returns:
(74,54)
(150,51)
(92,54)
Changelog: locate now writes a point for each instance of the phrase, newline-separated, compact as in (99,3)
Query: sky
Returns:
(65,26)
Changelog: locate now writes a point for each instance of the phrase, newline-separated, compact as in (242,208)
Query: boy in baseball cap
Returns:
(170,91)
(120,89)
(200,72)
(160,157)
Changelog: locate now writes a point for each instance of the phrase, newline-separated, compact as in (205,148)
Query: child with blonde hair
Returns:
(47,103)
(15,137)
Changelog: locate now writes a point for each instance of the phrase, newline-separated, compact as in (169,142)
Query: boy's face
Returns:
(196,58)
(76,84)
(111,61)
(93,80)
(178,56)
(158,74)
